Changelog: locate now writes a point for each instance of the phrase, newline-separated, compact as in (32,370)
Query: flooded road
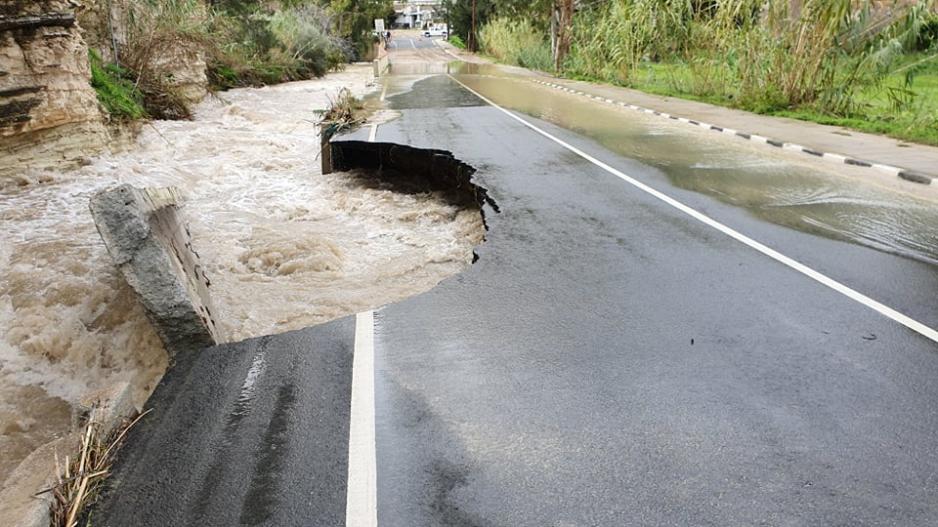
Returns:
(612,341)
(285,247)
(834,201)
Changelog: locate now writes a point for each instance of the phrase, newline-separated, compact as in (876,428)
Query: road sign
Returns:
(379,24)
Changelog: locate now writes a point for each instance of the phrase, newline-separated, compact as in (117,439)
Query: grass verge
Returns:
(839,62)
(457,41)
(904,107)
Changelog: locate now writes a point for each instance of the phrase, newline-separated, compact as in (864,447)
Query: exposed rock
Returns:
(106,27)
(152,248)
(46,100)
(185,68)
(49,113)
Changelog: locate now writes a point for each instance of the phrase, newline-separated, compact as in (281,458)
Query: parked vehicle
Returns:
(437,31)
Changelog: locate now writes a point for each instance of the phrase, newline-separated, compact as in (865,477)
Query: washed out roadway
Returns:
(608,360)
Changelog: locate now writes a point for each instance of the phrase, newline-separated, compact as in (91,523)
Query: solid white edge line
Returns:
(444,50)
(361,499)
(883,309)
(361,504)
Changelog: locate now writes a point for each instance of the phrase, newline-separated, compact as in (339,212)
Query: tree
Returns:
(355,18)
(459,14)
(561,31)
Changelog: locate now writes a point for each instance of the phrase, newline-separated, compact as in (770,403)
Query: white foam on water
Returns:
(285,247)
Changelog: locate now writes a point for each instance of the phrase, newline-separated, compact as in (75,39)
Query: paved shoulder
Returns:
(254,433)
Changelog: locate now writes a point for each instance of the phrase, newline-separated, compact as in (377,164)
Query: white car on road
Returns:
(436,32)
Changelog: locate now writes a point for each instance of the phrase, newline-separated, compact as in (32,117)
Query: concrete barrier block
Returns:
(148,242)
(381,65)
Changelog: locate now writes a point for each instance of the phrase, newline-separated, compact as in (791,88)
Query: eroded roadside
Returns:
(285,247)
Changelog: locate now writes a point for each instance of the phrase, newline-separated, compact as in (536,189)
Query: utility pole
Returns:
(472,32)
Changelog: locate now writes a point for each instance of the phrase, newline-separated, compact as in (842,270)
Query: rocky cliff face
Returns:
(48,111)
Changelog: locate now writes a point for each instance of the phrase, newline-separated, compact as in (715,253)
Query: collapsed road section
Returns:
(412,169)
(272,447)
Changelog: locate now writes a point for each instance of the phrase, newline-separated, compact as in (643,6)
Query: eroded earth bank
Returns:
(284,245)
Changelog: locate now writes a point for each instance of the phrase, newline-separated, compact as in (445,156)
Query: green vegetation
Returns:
(457,41)
(832,61)
(115,90)
(516,42)
(256,46)
(264,42)
(903,108)
(243,42)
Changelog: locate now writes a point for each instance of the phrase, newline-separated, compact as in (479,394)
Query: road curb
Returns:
(444,49)
(908,175)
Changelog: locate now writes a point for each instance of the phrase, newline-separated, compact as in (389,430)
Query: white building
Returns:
(416,14)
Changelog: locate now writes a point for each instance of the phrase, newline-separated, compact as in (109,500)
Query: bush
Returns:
(244,43)
(754,53)
(457,41)
(115,90)
(928,36)
(162,34)
(302,33)
(266,47)
(611,39)
(516,42)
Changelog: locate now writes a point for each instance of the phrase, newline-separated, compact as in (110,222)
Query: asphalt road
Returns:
(608,360)
(403,43)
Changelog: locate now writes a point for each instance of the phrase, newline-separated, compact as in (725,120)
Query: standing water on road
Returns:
(834,201)
(285,247)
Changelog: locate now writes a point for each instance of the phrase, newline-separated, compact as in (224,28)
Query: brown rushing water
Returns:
(285,247)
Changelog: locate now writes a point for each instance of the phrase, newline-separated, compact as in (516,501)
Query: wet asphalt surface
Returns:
(606,361)
(412,43)
(254,433)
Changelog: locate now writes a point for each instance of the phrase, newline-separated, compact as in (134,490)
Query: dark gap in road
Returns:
(413,170)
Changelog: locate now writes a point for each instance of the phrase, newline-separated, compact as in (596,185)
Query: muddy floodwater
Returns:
(285,247)
(835,201)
